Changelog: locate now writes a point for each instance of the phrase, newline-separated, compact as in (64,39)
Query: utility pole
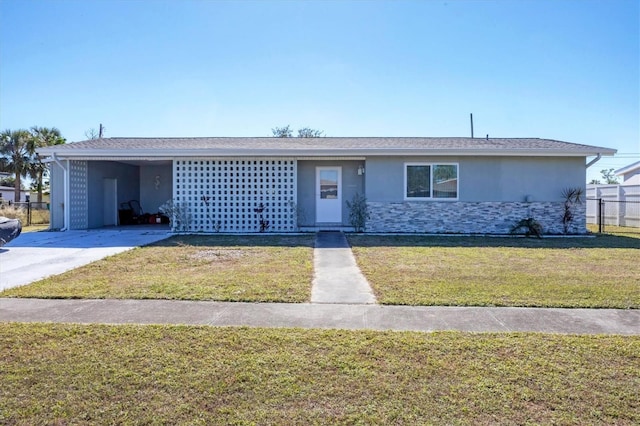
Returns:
(101,131)
(471,115)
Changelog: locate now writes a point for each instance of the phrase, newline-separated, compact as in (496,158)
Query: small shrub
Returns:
(358,212)
(178,214)
(530,226)
(571,197)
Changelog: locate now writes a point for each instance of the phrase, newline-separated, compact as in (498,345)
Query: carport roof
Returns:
(318,147)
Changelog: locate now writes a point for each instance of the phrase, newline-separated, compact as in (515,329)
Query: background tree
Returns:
(305,132)
(7,181)
(16,147)
(282,132)
(91,134)
(608,176)
(95,134)
(42,137)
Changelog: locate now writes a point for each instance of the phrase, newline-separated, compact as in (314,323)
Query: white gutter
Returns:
(67,195)
(594,161)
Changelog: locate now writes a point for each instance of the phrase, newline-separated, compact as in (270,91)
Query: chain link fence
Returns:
(29,213)
(618,213)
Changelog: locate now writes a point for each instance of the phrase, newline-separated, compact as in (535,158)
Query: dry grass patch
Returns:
(39,216)
(265,268)
(601,272)
(35,228)
(75,374)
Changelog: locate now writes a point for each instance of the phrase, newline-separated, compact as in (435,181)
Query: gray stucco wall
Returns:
(484,178)
(155,186)
(491,198)
(352,183)
(128,178)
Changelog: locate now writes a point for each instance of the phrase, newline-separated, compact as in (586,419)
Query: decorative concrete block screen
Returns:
(225,195)
(78,195)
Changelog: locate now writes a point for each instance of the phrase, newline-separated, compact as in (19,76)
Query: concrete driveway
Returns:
(36,255)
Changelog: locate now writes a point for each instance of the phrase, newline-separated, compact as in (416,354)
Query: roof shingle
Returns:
(326,145)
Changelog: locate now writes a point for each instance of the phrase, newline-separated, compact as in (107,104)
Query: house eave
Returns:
(626,169)
(168,154)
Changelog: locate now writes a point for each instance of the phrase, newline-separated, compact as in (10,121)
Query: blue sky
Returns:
(560,69)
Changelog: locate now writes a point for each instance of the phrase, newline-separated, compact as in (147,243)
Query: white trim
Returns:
(431,165)
(626,169)
(67,196)
(331,158)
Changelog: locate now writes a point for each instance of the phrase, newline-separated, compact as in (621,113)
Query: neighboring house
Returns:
(616,204)
(630,174)
(7,194)
(417,185)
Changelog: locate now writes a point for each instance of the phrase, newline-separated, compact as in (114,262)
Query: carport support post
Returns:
(67,193)
(66,208)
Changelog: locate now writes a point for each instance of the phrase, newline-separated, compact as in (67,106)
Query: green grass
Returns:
(76,374)
(596,272)
(261,268)
(600,272)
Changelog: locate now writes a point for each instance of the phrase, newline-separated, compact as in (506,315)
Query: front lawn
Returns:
(597,272)
(260,268)
(601,272)
(79,374)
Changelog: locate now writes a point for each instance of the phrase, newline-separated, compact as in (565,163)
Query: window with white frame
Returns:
(430,181)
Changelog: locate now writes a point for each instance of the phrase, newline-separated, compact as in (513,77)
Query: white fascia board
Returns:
(627,169)
(349,152)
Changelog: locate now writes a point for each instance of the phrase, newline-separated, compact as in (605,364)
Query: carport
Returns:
(95,189)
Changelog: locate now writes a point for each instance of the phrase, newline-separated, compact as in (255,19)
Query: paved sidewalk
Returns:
(336,316)
(36,255)
(337,278)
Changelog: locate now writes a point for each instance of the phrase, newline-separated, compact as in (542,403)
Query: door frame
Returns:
(324,206)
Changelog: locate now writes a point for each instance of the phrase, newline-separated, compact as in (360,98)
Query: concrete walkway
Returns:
(36,255)
(341,316)
(337,278)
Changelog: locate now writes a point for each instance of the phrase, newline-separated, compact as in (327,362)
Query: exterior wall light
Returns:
(360,170)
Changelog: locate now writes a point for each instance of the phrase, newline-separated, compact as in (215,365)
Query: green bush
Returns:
(358,212)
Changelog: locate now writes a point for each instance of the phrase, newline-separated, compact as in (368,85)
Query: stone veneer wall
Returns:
(469,217)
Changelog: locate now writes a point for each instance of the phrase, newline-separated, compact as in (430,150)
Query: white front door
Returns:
(110,202)
(329,194)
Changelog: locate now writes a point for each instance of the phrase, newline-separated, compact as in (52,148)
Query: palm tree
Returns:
(15,155)
(41,137)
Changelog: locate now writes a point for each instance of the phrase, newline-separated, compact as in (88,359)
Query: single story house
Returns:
(630,174)
(7,194)
(247,184)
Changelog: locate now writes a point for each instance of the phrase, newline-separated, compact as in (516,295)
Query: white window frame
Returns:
(431,165)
